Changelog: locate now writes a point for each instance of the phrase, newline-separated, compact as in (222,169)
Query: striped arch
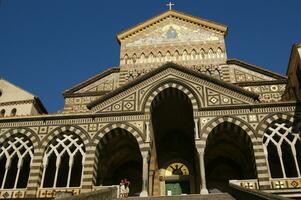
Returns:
(33,137)
(215,122)
(75,129)
(260,161)
(171,84)
(134,131)
(269,119)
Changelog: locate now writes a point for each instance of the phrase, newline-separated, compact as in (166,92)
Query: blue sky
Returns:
(48,46)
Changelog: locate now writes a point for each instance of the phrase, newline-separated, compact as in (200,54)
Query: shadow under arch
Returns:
(123,125)
(171,83)
(119,158)
(229,155)
(171,108)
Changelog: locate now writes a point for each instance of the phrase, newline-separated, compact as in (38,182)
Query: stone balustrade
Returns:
(12,193)
(249,183)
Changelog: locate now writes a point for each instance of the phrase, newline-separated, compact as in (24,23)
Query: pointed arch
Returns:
(202,54)
(193,54)
(210,53)
(142,58)
(219,53)
(151,57)
(125,59)
(185,54)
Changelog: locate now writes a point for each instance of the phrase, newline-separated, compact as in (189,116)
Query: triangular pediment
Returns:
(242,72)
(208,92)
(99,84)
(172,26)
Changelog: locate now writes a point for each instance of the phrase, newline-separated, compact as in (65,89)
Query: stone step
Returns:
(216,196)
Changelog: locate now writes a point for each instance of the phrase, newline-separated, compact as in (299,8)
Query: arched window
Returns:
(16,154)
(210,53)
(193,54)
(219,53)
(202,54)
(63,161)
(184,55)
(2,114)
(282,148)
(160,56)
(125,59)
(151,57)
(13,112)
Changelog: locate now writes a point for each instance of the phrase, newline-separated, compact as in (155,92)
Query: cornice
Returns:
(259,83)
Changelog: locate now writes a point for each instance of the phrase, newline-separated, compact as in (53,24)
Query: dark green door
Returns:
(177,188)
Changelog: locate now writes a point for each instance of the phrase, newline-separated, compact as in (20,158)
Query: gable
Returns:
(11,93)
(99,84)
(213,26)
(240,72)
(207,91)
(175,31)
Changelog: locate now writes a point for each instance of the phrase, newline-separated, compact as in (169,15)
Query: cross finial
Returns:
(170,5)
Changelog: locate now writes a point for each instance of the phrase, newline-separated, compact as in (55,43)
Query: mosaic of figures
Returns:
(172,30)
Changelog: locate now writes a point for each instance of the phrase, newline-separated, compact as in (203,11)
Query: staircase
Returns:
(220,196)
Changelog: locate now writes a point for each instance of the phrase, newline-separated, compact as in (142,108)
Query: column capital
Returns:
(201,151)
(145,154)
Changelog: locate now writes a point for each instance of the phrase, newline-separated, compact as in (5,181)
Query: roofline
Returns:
(255,68)
(90,80)
(177,67)
(294,46)
(204,22)
(40,105)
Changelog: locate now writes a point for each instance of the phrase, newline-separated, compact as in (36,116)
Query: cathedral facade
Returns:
(175,117)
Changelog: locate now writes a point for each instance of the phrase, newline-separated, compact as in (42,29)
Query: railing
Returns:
(286,183)
(249,183)
(108,193)
(239,192)
(12,193)
(52,192)
(104,188)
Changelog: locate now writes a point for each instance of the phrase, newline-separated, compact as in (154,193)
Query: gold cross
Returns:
(170,5)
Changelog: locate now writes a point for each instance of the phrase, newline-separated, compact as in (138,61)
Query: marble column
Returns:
(145,155)
(147,127)
(196,128)
(203,174)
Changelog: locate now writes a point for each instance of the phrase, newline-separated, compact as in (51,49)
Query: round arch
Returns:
(270,118)
(215,122)
(108,128)
(74,129)
(32,136)
(171,83)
